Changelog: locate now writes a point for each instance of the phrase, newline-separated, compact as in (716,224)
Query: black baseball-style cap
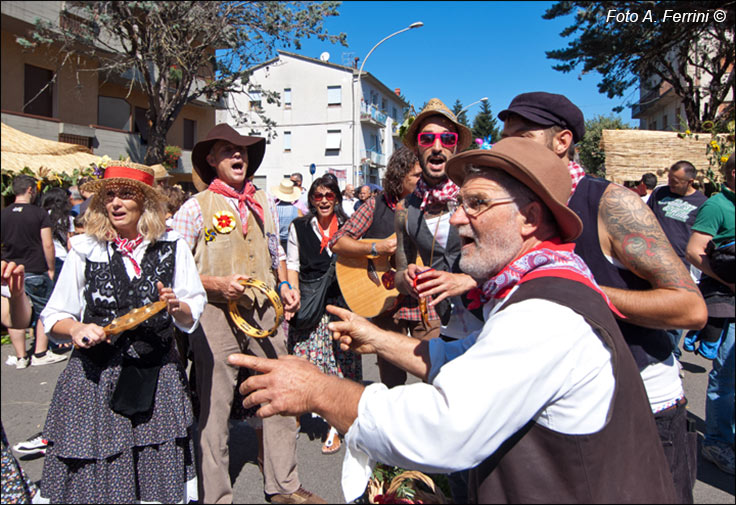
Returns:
(548,109)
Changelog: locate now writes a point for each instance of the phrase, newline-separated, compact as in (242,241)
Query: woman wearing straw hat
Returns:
(119,423)
(286,194)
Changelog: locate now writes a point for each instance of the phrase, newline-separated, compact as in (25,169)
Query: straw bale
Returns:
(632,153)
(20,150)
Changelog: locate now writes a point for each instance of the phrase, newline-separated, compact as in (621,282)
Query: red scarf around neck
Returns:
(327,233)
(245,200)
(126,247)
(441,193)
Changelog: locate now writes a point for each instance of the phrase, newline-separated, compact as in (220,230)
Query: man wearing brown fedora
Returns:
(422,225)
(548,381)
(632,260)
(232,228)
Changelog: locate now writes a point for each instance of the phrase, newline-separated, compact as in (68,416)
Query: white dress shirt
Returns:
(67,300)
(535,360)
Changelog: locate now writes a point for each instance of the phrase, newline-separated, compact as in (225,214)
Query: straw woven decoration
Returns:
(632,153)
(20,150)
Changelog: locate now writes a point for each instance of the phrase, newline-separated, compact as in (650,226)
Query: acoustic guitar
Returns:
(368,282)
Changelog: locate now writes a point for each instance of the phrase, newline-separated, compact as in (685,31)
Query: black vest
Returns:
(110,293)
(647,345)
(383,219)
(313,264)
(622,463)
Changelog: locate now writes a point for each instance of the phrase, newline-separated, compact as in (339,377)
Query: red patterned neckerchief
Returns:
(441,193)
(327,233)
(245,200)
(126,247)
(549,259)
(390,201)
(576,173)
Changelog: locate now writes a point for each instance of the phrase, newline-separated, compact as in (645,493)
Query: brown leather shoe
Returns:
(301,495)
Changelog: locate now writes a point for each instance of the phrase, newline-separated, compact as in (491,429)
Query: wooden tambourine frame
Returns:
(242,324)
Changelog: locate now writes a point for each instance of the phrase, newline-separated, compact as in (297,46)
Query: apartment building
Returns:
(660,108)
(104,114)
(326,117)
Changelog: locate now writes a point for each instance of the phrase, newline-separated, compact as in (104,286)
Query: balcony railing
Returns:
(374,157)
(371,114)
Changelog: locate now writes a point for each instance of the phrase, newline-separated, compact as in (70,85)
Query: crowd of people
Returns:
(541,308)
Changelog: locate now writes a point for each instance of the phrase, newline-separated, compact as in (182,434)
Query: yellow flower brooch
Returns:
(223,221)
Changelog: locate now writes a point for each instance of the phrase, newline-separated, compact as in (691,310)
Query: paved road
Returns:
(26,395)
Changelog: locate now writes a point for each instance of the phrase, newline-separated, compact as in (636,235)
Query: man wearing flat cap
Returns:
(233,230)
(422,225)
(632,260)
(544,403)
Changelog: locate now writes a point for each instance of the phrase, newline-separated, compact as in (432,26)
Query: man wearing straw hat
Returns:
(423,224)
(545,403)
(232,228)
(286,193)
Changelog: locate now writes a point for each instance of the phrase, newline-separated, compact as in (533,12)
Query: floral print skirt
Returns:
(321,350)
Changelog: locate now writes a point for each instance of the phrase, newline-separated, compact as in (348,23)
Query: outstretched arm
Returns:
(629,231)
(292,386)
(359,335)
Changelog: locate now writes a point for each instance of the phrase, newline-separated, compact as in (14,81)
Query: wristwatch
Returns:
(374,251)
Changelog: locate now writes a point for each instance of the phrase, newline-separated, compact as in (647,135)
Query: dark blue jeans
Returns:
(680,446)
(38,288)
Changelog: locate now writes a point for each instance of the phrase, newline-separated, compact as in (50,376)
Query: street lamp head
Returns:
(484,99)
(418,24)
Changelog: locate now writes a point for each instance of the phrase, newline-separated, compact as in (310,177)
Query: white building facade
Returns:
(326,117)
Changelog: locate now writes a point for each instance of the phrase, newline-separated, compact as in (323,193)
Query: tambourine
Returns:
(243,324)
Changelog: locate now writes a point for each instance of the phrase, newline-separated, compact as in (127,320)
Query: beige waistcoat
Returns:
(233,253)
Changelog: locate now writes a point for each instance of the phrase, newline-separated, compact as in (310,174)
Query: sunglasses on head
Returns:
(317,197)
(427,139)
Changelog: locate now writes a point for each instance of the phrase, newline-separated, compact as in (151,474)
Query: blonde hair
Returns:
(152,223)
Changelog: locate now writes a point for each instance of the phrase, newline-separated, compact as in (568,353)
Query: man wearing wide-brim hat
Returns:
(423,224)
(232,228)
(548,381)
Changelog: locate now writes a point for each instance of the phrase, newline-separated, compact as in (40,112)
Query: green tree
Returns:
(694,56)
(592,158)
(167,49)
(462,117)
(485,124)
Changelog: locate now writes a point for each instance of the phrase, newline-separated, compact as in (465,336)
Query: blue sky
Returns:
(465,50)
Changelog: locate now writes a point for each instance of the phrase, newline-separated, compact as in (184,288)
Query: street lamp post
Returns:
(485,98)
(356,92)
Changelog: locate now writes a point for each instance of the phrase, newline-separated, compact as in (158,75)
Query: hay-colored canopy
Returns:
(632,153)
(40,155)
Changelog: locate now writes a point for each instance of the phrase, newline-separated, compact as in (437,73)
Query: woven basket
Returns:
(377,493)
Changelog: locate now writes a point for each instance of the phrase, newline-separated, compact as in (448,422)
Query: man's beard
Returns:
(427,175)
(488,257)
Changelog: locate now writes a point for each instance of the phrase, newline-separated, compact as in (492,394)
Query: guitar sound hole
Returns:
(392,261)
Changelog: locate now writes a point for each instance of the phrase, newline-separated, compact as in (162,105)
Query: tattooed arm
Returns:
(629,231)
(404,249)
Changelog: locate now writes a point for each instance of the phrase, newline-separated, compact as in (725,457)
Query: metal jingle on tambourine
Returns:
(243,325)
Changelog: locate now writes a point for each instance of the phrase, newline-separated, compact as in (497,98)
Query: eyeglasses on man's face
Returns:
(427,139)
(474,205)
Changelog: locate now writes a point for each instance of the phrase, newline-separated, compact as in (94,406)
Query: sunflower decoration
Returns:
(223,221)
